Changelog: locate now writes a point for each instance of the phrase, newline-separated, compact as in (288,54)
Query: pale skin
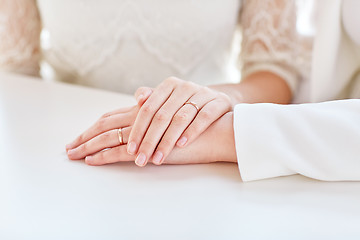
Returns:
(104,136)
(161,129)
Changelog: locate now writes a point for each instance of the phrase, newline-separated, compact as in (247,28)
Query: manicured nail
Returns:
(140,160)
(158,157)
(182,141)
(89,160)
(71,151)
(68,146)
(131,148)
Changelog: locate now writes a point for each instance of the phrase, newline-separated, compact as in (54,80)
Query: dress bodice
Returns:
(119,45)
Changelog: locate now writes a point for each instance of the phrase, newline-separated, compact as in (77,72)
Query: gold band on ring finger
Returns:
(120,135)
(193,104)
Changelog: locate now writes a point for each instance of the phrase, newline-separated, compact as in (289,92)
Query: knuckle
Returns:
(105,137)
(224,97)
(172,80)
(100,124)
(162,115)
(187,86)
(147,109)
(181,117)
(205,115)
(206,90)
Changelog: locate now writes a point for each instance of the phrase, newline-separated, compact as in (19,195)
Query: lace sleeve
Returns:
(19,36)
(271,41)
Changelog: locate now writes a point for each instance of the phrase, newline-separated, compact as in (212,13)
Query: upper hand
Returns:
(165,120)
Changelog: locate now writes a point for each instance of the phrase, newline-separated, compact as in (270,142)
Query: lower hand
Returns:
(213,145)
(103,134)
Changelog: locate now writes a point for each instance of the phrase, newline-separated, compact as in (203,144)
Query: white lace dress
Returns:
(123,44)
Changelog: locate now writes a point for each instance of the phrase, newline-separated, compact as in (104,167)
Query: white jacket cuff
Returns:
(257,145)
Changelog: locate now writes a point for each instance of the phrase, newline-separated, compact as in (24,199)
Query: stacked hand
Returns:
(173,114)
(100,143)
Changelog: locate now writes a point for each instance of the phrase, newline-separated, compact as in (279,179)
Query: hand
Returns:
(176,112)
(103,134)
(215,144)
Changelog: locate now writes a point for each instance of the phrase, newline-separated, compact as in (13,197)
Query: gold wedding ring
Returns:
(120,135)
(193,104)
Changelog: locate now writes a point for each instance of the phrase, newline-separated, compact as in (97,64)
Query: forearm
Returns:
(256,88)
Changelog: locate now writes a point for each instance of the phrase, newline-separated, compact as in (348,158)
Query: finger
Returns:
(142,94)
(117,111)
(206,116)
(105,140)
(101,126)
(161,121)
(112,155)
(179,123)
(147,112)
(181,120)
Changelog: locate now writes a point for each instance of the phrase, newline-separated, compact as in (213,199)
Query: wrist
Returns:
(223,132)
(233,91)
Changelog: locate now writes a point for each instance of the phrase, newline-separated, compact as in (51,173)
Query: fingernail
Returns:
(140,160)
(89,160)
(131,148)
(68,146)
(140,97)
(182,141)
(71,151)
(157,157)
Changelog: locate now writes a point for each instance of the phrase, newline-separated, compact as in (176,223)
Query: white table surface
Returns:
(43,195)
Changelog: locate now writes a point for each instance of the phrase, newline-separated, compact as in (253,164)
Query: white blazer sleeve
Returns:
(317,140)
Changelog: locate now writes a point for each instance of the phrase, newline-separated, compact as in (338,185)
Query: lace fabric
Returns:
(120,45)
(164,39)
(272,40)
(19,36)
